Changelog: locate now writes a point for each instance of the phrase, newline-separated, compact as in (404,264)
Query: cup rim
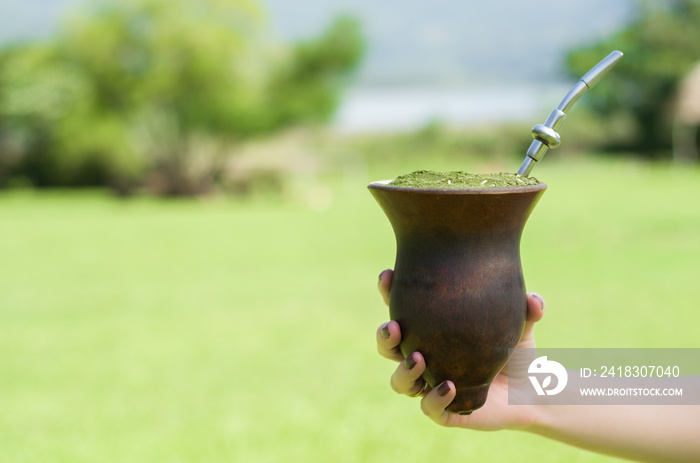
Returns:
(382,185)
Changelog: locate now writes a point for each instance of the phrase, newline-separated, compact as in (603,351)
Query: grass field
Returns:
(243,331)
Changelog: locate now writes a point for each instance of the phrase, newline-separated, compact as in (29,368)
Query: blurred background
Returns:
(189,251)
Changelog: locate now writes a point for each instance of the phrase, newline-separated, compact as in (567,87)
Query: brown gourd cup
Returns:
(458,292)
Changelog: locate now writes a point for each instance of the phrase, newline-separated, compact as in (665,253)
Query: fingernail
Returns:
(443,389)
(385,330)
(410,362)
(539,298)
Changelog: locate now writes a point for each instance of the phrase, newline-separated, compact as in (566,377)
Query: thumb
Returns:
(535,312)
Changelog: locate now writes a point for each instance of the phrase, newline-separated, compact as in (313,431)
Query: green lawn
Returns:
(243,331)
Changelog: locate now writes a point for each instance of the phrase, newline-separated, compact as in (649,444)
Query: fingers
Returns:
(406,379)
(389,334)
(388,339)
(436,401)
(385,284)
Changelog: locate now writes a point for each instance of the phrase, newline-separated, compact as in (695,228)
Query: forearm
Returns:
(651,433)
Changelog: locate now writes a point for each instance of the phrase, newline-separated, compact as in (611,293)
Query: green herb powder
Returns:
(459,179)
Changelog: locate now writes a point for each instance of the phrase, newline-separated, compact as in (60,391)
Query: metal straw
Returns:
(545,135)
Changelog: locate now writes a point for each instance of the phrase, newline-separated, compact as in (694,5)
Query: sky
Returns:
(451,42)
(436,43)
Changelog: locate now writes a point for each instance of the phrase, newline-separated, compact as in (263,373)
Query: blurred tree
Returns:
(661,46)
(161,89)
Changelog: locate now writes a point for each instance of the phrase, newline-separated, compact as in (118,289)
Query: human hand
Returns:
(495,414)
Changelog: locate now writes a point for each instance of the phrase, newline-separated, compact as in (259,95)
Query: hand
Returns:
(495,414)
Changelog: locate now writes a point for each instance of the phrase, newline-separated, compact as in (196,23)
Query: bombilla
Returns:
(545,135)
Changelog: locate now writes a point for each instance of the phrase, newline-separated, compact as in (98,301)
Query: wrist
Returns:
(542,418)
(531,418)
